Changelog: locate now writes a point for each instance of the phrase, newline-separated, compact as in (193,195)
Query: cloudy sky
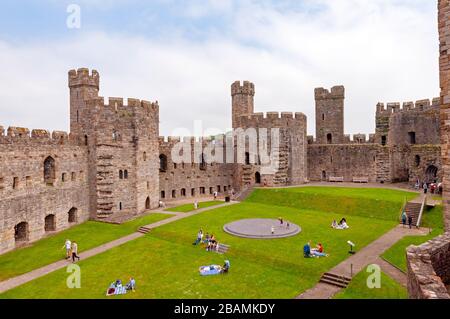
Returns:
(186,54)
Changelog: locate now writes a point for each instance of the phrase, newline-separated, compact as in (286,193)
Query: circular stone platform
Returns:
(259,228)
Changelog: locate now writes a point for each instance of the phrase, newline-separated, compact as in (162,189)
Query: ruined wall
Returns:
(26,196)
(289,156)
(192,178)
(429,269)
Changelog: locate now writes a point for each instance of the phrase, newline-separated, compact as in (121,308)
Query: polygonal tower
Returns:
(330,115)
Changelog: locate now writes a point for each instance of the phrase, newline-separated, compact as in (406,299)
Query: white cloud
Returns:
(380,50)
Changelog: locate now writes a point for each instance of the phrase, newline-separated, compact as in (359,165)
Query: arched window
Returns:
(174,194)
(162,163)
(72,215)
(329,138)
(86,140)
(120,206)
(247,158)
(163,194)
(21,232)
(121,174)
(417,160)
(49,171)
(125,174)
(147,203)
(50,223)
(323,117)
(183,192)
(145,156)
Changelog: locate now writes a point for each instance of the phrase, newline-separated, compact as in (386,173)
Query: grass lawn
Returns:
(390,289)
(165,263)
(190,207)
(396,255)
(87,235)
(365,202)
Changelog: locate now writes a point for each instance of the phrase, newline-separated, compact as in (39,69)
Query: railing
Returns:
(422,209)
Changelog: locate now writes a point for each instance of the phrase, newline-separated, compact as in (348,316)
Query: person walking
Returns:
(75,251)
(410,222)
(404,218)
(68,247)
(425,188)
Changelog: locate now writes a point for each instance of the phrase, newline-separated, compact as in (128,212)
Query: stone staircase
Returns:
(413,209)
(144,230)
(244,193)
(335,280)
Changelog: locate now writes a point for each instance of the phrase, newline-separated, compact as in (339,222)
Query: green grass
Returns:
(190,207)
(165,263)
(88,235)
(396,255)
(383,204)
(390,289)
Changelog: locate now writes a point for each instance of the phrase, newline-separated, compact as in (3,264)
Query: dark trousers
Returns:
(74,255)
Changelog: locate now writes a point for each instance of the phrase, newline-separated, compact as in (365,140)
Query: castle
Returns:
(114,164)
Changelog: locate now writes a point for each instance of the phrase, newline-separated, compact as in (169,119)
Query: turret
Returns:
(242,100)
(330,115)
(84,86)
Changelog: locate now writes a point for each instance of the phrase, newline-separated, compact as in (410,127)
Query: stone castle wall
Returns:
(289,157)
(25,195)
(192,178)
(429,269)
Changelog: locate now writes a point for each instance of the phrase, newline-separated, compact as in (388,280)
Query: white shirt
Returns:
(68,244)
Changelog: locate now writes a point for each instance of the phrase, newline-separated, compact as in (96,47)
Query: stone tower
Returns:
(242,100)
(83,87)
(330,115)
(444,67)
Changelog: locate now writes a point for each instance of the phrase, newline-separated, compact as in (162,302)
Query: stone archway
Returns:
(431,174)
(50,223)
(21,232)
(72,215)
(147,203)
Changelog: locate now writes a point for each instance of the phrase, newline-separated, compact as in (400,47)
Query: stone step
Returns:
(144,230)
(335,280)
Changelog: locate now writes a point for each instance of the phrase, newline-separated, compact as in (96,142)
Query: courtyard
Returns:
(165,264)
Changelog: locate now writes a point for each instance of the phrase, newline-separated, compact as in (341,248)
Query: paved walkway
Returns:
(22,279)
(368,255)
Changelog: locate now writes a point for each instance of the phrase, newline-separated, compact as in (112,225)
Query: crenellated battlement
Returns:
(260,116)
(82,77)
(349,139)
(116,104)
(396,107)
(336,92)
(247,88)
(39,136)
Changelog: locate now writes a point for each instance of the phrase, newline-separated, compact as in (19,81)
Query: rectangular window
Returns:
(15,182)
(2,180)
(202,190)
(384,140)
(63,177)
(73,177)
(412,137)
(28,181)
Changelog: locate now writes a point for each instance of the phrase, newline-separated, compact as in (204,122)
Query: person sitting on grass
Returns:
(131,285)
(226,267)
(207,238)
(199,238)
(212,243)
(318,251)
(307,250)
(343,224)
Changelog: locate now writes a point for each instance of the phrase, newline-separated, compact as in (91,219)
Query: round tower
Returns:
(242,100)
